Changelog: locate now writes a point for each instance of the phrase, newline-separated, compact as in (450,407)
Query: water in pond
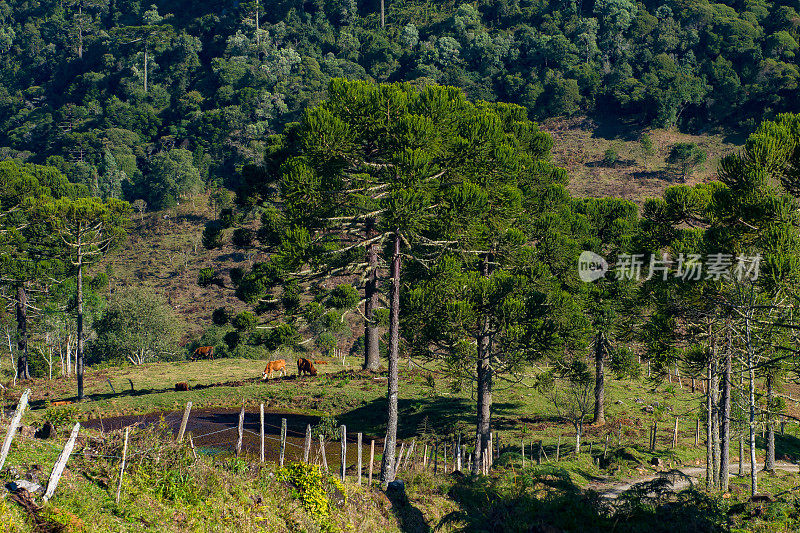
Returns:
(216,431)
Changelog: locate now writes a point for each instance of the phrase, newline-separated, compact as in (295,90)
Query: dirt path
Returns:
(612,489)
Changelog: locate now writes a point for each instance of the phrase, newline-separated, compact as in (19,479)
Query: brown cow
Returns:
(182,386)
(203,352)
(274,366)
(305,365)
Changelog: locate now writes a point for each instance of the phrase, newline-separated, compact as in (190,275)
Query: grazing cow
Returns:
(203,352)
(305,365)
(274,366)
(182,386)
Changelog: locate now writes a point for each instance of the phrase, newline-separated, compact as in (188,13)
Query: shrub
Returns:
(244,321)
(220,316)
(312,488)
(610,157)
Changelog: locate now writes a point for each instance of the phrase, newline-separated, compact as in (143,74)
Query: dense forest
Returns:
(149,102)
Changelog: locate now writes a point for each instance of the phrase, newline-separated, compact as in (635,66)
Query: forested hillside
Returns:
(151,101)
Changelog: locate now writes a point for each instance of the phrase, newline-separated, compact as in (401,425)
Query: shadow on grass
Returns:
(443,416)
(410,518)
(787,447)
(543,499)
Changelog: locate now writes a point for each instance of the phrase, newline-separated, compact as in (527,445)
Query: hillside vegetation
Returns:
(149,101)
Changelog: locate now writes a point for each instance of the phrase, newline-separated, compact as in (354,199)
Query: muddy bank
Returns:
(216,431)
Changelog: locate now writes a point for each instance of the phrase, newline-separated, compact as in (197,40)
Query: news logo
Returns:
(591,266)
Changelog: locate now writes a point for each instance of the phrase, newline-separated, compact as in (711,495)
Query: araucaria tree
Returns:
(86,229)
(364,179)
(25,261)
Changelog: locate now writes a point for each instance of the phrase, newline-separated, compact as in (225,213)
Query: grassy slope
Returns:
(227,490)
(166,254)
(580,143)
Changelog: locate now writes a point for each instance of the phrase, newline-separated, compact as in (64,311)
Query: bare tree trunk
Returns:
(752,407)
(725,422)
(387,464)
(22,333)
(484,376)
(11,355)
(715,430)
(600,380)
(709,440)
(258,37)
(769,460)
(79,298)
(372,358)
(383,17)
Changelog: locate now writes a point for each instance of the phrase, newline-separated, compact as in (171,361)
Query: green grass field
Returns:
(222,493)
(430,403)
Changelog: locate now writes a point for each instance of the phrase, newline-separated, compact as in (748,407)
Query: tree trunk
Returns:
(79,298)
(372,357)
(725,421)
(709,440)
(599,383)
(383,17)
(769,461)
(145,69)
(22,333)
(387,464)
(258,37)
(752,407)
(715,429)
(484,412)
(484,376)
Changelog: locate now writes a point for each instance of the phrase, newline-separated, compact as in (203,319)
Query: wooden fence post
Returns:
(358,439)
(605,448)
(307,447)
(399,458)
(191,444)
(241,432)
(491,450)
(371,460)
(12,429)
(653,438)
(558,449)
(697,432)
(184,420)
(283,440)
(322,452)
(58,469)
(522,446)
(261,413)
(344,450)
(425,458)
(478,454)
(458,459)
(409,453)
(675,433)
(539,457)
(122,468)
(435,458)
